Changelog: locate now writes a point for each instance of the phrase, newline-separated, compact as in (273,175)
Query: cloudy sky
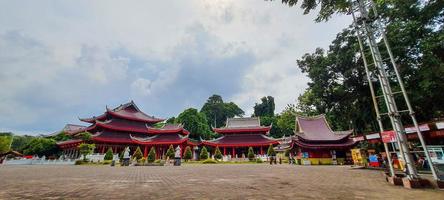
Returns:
(60,60)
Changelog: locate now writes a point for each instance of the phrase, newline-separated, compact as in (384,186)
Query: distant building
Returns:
(241,133)
(316,142)
(125,126)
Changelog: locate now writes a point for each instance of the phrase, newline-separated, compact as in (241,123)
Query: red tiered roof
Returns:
(241,140)
(315,133)
(243,125)
(168,128)
(242,132)
(127,111)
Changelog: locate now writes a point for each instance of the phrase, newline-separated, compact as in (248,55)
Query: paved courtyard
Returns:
(242,181)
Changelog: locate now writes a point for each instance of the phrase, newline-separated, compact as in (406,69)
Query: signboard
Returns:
(388,136)
(372,136)
(359,138)
(423,127)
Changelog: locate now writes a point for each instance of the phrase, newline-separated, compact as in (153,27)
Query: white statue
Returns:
(126,153)
(177,153)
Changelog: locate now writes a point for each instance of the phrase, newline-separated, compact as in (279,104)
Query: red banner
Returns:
(388,136)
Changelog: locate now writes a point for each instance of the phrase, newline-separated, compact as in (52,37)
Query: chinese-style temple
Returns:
(126,126)
(316,142)
(239,134)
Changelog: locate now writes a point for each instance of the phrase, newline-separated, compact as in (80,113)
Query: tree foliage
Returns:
(203,153)
(196,123)
(152,155)
(62,136)
(270,151)
(286,120)
(338,85)
(5,143)
(41,146)
(327,7)
(217,111)
(137,154)
(109,154)
(86,149)
(85,136)
(170,152)
(265,108)
(188,155)
(251,155)
(217,154)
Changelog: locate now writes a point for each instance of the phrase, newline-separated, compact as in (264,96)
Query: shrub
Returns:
(152,155)
(188,154)
(209,161)
(142,160)
(203,153)
(217,154)
(271,151)
(86,149)
(108,154)
(170,152)
(258,160)
(137,154)
(107,162)
(251,155)
(80,162)
(287,153)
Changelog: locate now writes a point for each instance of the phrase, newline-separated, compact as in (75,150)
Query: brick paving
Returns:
(241,181)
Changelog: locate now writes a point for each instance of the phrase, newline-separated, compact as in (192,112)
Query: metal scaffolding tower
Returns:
(369,28)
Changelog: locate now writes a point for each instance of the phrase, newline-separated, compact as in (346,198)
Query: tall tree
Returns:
(338,85)
(196,123)
(217,111)
(265,108)
(287,119)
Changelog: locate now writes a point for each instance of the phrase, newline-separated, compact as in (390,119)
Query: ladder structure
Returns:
(369,30)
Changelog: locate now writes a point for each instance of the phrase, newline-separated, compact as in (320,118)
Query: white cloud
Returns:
(77,57)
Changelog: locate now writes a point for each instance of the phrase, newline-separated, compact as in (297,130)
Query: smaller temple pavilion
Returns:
(126,126)
(239,134)
(315,142)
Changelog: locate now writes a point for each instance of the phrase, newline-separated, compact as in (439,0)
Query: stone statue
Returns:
(177,156)
(126,153)
(126,157)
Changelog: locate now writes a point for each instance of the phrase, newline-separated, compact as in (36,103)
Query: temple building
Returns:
(239,134)
(126,126)
(316,143)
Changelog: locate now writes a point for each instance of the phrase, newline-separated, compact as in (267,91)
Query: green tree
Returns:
(270,151)
(188,154)
(170,152)
(85,136)
(327,7)
(20,142)
(108,154)
(152,155)
(338,85)
(41,146)
(217,111)
(217,154)
(251,155)
(287,119)
(203,153)
(5,143)
(265,108)
(86,149)
(171,120)
(137,154)
(62,136)
(196,123)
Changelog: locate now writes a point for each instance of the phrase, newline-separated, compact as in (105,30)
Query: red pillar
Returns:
(225,151)
(262,151)
(145,151)
(232,152)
